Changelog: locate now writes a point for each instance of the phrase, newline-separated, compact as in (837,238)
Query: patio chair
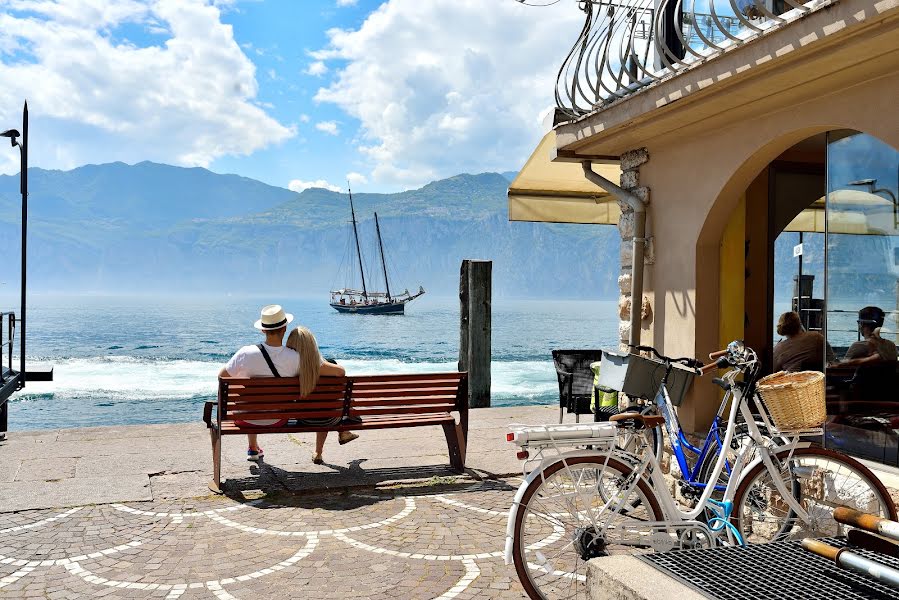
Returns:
(575,380)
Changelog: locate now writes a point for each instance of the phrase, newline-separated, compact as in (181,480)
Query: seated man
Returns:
(269,359)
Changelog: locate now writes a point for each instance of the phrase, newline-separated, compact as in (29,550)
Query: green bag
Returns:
(605,397)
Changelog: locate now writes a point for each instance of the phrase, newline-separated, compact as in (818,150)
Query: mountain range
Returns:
(154,228)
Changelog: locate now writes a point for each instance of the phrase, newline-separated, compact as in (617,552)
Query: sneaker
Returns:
(255,455)
(345,437)
(317,459)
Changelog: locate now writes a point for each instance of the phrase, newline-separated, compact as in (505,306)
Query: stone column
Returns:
(630,181)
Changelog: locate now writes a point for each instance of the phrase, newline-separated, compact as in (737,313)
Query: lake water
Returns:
(129,361)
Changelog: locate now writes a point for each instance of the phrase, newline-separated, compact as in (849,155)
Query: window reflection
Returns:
(862,217)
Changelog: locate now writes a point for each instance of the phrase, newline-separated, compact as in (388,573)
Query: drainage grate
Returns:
(776,571)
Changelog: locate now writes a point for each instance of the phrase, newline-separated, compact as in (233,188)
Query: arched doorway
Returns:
(817,232)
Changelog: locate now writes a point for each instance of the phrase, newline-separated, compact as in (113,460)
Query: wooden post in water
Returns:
(475,291)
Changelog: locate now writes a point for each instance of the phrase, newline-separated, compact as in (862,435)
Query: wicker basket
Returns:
(794,400)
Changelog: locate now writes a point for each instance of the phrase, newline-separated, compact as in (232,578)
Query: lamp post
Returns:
(870,183)
(14,140)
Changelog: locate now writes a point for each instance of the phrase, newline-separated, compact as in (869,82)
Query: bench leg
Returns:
(216,484)
(455,442)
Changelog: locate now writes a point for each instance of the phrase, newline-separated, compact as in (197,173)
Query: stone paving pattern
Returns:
(434,539)
(124,512)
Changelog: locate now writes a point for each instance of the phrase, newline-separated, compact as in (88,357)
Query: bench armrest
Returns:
(207,414)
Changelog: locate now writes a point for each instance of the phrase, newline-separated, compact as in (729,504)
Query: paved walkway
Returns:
(441,540)
(124,512)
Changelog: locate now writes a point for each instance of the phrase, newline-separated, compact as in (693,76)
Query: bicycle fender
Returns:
(516,502)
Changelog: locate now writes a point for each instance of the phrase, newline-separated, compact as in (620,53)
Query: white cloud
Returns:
(187,99)
(356,178)
(329,127)
(298,185)
(436,96)
(347,2)
(304,118)
(318,68)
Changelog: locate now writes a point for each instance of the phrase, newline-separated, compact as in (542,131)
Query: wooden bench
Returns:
(362,402)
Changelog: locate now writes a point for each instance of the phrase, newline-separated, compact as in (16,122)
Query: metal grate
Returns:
(776,571)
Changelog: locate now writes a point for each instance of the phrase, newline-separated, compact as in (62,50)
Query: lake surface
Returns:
(133,361)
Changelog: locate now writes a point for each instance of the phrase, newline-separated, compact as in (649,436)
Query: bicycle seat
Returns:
(636,420)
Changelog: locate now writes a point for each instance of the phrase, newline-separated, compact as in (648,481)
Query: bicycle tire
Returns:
(817,502)
(518,543)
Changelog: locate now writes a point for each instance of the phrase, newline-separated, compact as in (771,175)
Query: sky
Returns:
(387,95)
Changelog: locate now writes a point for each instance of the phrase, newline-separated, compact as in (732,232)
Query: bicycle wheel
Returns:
(826,480)
(559,522)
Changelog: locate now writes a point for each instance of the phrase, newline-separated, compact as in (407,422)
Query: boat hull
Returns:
(397,308)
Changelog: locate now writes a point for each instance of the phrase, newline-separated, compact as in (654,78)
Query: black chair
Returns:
(575,380)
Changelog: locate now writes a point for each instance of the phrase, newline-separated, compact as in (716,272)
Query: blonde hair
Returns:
(303,341)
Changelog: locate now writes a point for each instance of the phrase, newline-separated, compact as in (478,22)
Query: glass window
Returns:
(862,273)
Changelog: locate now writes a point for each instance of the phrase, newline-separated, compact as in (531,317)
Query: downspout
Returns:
(639,242)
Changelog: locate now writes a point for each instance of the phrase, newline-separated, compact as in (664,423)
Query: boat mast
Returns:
(383,262)
(356,235)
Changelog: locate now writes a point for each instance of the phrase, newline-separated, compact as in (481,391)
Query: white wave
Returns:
(132,378)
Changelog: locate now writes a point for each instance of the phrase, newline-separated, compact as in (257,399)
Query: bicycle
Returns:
(580,504)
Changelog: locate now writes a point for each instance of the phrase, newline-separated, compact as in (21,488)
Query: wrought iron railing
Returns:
(7,337)
(628,44)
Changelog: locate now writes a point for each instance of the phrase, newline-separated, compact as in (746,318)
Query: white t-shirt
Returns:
(249,362)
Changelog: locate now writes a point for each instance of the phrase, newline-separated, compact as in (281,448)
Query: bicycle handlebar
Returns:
(684,360)
(709,368)
(717,355)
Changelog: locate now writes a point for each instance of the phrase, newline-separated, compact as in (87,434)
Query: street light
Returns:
(14,135)
(870,183)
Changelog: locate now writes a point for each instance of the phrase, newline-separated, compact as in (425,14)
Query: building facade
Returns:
(765,148)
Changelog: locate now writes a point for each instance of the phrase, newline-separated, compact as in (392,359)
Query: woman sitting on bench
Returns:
(312,365)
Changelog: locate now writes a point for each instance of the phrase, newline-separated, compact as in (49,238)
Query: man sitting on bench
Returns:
(272,359)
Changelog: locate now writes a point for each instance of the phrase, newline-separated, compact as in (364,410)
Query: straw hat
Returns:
(272,317)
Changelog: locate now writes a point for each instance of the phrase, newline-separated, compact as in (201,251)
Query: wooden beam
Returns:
(480,274)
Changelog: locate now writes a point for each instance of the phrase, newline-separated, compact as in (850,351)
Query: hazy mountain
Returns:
(152,227)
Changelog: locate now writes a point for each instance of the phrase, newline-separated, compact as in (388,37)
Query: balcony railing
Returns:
(627,45)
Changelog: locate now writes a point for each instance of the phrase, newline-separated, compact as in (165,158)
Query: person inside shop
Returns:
(873,347)
(799,350)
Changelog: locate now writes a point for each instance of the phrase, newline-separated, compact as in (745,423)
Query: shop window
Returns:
(862,310)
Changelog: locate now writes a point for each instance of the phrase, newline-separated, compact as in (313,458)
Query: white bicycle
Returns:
(579,503)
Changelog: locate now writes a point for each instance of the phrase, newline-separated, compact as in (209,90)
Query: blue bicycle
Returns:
(695,478)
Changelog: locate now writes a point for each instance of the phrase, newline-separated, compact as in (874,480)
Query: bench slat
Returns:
(410,391)
(413,398)
(252,415)
(404,401)
(406,410)
(284,407)
(281,389)
(362,379)
(365,385)
(368,422)
(257,397)
(276,381)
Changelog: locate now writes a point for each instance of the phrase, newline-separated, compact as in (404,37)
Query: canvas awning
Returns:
(850,212)
(557,192)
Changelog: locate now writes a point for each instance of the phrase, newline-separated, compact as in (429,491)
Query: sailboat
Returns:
(365,302)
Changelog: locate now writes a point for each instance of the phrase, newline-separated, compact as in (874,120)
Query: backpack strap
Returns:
(268,359)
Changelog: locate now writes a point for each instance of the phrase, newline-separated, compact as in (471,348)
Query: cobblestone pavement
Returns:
(443,540)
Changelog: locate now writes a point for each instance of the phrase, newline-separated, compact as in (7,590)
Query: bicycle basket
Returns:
(641,377)
(794,400)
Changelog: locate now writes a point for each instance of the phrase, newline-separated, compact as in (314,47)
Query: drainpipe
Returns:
(639,242)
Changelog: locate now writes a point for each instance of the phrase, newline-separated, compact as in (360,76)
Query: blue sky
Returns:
(390,93)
